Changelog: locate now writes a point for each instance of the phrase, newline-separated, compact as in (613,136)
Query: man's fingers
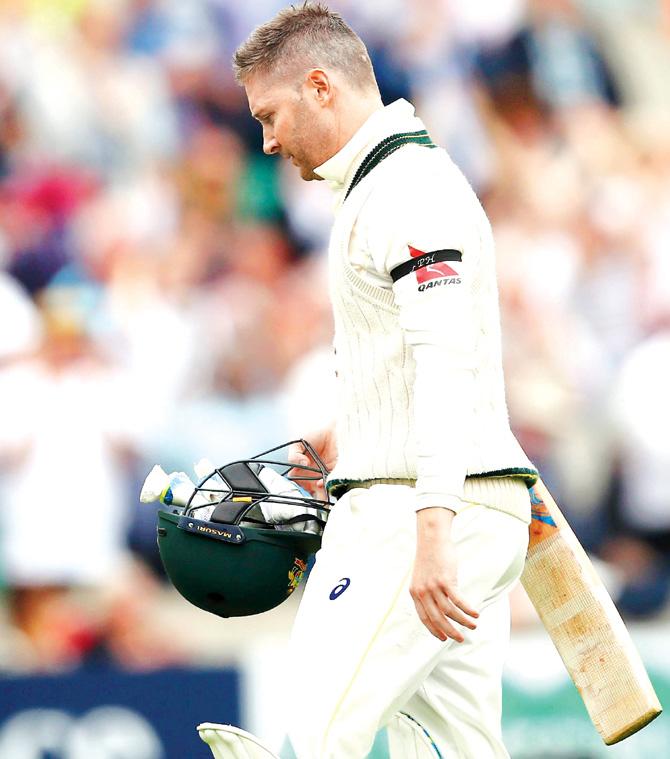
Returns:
(437,622)
(455,608)
(463,605)
(299,459)
(451,610)
(441,621)
(428,623)
(438,609)
(296,455)
(307,478)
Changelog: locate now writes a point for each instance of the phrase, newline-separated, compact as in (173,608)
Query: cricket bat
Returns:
(585,626)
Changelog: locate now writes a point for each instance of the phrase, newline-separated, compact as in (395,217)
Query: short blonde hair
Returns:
(311,35)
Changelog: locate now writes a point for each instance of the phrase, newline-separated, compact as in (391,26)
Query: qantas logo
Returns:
(427,267)
(438,282)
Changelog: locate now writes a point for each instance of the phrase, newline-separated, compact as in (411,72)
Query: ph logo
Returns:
(431,265)
(341,586)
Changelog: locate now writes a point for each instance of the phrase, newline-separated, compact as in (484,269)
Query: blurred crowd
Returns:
(163,295)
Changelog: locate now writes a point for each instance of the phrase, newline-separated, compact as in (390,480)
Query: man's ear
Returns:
(319,85)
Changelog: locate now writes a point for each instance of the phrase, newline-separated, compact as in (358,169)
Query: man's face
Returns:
(294,126)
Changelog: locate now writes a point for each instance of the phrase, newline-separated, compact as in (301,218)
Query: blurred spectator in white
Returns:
(67,423)
(128,240)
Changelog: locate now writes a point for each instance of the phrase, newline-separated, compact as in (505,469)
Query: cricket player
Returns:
(404,621)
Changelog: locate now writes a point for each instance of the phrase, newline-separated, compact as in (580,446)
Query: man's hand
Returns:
(434,586)
(325,447)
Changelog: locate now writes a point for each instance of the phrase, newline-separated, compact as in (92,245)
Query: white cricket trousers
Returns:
(360,657)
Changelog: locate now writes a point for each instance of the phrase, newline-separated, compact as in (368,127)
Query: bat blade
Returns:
(585,626)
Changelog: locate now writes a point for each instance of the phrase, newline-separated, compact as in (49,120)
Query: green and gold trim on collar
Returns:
(385,148)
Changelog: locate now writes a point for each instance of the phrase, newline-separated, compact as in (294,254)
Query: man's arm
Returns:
(423,252)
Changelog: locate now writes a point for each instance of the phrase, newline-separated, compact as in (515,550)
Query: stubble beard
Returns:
(304,163)
(308,174)
(306,160)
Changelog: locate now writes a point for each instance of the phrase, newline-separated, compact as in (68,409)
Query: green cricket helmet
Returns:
(241,544)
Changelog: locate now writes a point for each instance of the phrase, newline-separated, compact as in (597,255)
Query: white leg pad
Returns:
(409,740)
(229,742)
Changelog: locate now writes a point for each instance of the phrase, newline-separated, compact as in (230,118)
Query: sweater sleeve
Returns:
(429,256)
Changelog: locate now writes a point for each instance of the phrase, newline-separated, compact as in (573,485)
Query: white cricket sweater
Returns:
(419,365)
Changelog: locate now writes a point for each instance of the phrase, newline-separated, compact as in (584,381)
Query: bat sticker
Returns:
(542,523)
